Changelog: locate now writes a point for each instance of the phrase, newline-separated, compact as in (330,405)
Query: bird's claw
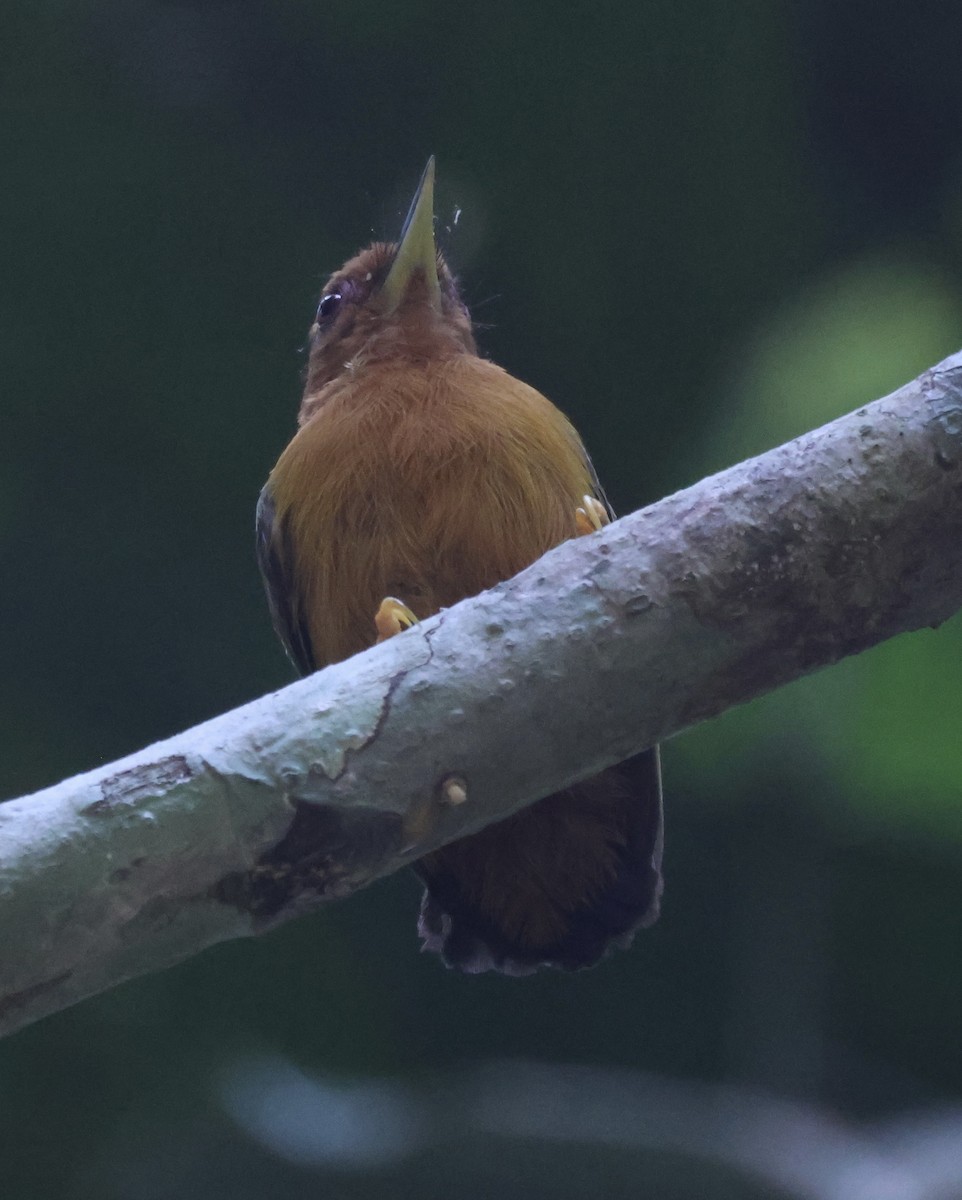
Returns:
(592,517)
(392,618)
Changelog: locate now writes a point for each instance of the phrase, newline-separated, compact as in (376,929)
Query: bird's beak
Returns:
(416,252)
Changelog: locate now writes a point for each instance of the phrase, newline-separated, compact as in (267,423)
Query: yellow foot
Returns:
(592,517)
(392,617)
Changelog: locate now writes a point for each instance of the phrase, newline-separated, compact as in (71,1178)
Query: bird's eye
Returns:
(328,306)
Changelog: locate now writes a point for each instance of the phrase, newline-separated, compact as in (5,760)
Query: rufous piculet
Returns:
(420,474)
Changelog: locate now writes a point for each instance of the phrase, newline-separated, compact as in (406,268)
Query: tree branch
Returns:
(722,592)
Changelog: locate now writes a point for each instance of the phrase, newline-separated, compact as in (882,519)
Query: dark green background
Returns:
(701,227)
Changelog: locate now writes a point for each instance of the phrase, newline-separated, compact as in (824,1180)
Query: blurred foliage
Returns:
(701,228)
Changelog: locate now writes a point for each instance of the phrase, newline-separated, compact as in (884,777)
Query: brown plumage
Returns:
(424,472)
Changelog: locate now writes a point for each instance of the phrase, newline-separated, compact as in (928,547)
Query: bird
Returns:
(422,473)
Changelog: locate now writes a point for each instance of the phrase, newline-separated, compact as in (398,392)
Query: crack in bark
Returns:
(327,850)
(130,787)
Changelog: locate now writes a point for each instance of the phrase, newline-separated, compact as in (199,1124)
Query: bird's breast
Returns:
(429,483)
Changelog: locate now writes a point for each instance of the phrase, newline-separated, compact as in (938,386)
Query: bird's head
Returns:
(392,301)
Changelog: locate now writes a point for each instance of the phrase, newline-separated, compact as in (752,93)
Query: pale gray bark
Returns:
(747,580)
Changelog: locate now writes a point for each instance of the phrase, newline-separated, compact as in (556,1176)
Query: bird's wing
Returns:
(274,557)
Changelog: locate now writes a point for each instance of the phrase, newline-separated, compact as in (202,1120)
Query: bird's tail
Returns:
(558,884)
